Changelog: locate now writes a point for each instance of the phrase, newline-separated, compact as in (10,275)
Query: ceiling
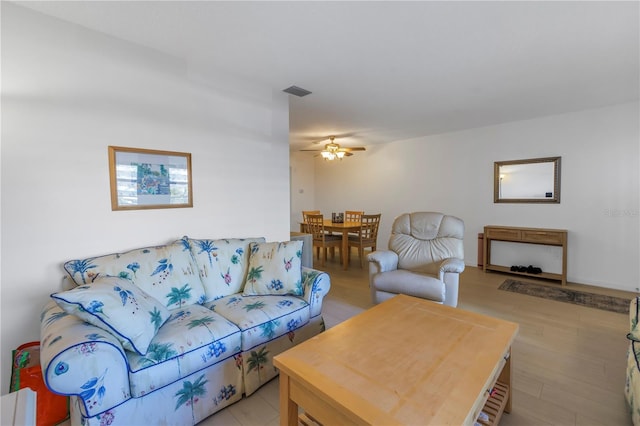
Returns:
(383,71)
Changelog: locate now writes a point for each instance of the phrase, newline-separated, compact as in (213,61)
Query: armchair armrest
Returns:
(316,285)
(80,359)
(453,264)
(382,261)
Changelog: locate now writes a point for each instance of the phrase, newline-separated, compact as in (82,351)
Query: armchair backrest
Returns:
(422,239)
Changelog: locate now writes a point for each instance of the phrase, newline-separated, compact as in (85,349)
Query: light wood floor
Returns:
(568,361)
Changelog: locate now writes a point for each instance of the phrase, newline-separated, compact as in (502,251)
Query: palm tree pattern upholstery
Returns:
(216,345)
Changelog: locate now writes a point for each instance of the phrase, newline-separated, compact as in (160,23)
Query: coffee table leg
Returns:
(505,377)
(288,408)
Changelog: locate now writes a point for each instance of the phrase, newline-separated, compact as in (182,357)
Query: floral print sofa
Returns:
(632,386)
(172,334)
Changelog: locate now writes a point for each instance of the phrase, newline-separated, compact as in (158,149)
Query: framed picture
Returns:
(149,179)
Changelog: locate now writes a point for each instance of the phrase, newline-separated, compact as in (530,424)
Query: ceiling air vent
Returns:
(297,91)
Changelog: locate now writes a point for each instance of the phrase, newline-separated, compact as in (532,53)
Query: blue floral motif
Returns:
(269,328)
(95,307)
(163,264)
(226,392)
(94,336)
(124,294)
(293,324)
(133,267)
(285,303)
(276,284)
(215,350)
(55,317)
(61,368)
(94,387)
(81,267)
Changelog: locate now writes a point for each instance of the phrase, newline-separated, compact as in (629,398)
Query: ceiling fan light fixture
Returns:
(327,155)
(333,151)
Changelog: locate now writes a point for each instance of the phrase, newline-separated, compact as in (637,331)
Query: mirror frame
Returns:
(556,180)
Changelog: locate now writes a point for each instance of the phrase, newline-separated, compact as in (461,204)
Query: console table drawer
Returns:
(503,234)
(543,237)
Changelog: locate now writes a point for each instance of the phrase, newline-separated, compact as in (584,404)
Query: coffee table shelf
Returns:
(495,405)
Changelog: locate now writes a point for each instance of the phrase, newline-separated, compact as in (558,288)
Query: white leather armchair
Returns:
(425,259)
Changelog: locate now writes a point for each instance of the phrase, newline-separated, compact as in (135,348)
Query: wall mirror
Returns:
(535,180)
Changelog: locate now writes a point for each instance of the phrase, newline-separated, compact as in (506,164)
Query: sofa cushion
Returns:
(410,283)
(168,273)
(192,339)
(116,305)
(262,318)
(222,264)
(274,269)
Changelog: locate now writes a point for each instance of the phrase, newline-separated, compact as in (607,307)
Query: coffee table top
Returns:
(404,361)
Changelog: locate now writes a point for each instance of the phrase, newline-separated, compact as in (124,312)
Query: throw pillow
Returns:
(274,268)
(116,305)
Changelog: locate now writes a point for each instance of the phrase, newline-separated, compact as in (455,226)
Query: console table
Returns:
(544,236)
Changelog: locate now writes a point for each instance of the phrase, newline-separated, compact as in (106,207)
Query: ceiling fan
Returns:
(333,151)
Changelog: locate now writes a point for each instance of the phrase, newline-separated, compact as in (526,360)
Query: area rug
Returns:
(591,300)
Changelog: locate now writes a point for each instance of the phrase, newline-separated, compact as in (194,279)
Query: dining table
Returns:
(341,227)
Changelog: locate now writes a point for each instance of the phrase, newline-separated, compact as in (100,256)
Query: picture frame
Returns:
(149,179)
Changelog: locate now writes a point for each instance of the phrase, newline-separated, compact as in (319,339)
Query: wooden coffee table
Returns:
(404,361)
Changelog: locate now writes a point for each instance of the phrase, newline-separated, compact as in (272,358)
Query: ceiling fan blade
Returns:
(336,136)
(311,150)
(355,148)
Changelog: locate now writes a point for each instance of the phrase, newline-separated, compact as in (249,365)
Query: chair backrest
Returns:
(315,226)
(352,215)
(306,213)
(369,227)
(422,238)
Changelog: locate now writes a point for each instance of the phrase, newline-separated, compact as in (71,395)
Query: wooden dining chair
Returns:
(306,213)
(321,240)
(352,215)
(367,236)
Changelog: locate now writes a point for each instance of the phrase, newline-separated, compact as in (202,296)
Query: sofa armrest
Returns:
(453,264)
(80,359)
(382,261)
(316,285)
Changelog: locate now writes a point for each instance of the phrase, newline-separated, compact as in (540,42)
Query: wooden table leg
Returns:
(505,377)
(288,408)
(345,247)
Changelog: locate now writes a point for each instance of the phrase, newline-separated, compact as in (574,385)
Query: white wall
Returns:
(68,93)
(302,186)
(453,173)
